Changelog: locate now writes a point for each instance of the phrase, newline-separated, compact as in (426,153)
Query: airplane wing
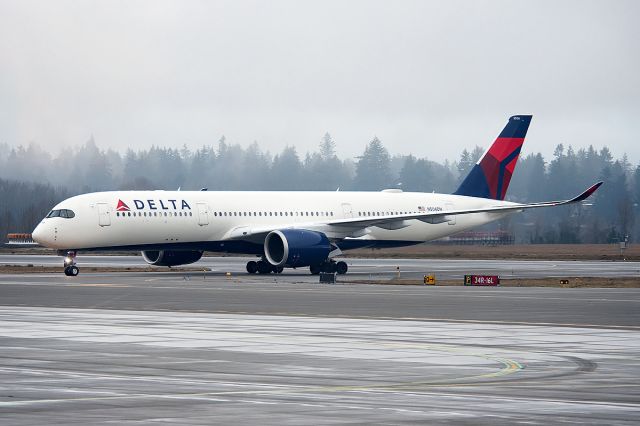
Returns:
(441,216)
(341,227)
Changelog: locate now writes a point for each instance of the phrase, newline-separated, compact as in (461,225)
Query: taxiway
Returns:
(203,348)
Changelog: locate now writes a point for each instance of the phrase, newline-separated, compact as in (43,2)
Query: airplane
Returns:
(285,229)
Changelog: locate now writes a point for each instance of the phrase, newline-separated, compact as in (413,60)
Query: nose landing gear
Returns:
(70,268)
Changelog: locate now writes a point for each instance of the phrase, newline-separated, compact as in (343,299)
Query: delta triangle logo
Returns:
(122,207)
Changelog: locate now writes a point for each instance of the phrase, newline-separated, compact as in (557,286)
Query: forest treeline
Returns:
(32,180)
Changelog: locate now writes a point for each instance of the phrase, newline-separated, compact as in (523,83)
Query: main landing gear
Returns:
(330,266)
(263,267)
(70,268)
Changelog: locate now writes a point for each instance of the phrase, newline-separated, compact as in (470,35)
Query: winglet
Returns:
(586,194)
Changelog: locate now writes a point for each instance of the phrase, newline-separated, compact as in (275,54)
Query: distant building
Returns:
(20,239)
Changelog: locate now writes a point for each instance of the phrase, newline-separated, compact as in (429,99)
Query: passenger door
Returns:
(203,214)
(104,216)
(452,218)
(346,209)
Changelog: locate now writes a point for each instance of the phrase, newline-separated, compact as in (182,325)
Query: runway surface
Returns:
(73,366)
(303,295)
(365,268)
(203,348)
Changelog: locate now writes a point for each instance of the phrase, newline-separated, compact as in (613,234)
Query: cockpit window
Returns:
(65,213)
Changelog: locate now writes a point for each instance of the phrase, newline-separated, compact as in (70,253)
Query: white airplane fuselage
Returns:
(216,221)
(286,229)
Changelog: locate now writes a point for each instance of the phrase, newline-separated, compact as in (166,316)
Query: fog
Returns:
(427,78)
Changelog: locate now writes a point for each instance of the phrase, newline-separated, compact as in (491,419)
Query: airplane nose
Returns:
(38,234)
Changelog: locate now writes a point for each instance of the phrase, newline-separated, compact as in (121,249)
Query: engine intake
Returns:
(170,257)
(296,247)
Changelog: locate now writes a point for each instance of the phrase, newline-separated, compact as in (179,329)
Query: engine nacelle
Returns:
(296,247)
(170,257)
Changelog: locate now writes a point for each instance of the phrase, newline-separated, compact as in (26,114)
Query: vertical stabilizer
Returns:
(491,175)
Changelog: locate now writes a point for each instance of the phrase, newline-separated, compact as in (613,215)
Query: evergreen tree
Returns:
(416,175)
(286,170)
(372,169)
(327,147)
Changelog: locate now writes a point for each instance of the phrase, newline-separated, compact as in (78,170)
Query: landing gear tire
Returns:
(70,268)
(71,271)
(252,267)
(342,268)
(315,269)
(263,267)
(278,269)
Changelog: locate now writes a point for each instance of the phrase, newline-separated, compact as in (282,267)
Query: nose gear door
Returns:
(104,217)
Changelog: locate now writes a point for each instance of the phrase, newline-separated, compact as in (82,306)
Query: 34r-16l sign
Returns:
(486,280)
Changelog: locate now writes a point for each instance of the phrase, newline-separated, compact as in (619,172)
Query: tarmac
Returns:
(366,268)
(205,348)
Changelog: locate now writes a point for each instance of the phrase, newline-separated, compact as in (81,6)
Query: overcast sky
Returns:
(428,78)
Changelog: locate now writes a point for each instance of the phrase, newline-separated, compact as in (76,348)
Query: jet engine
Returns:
(170,257)
(296,247)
